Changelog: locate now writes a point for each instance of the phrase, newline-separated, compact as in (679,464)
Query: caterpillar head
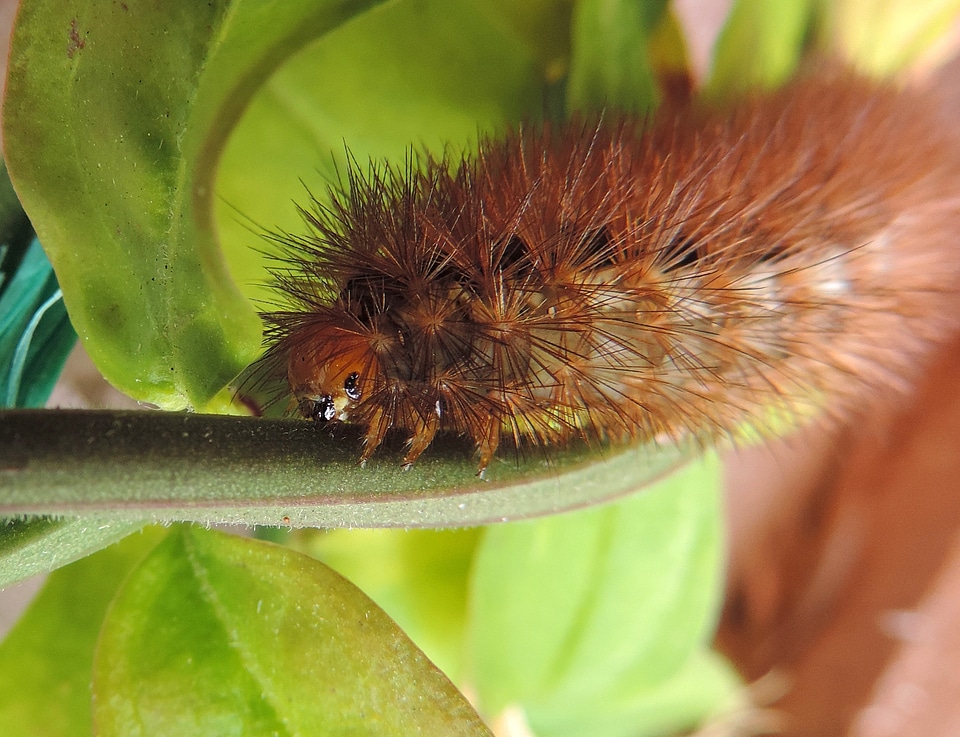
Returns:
(328,371)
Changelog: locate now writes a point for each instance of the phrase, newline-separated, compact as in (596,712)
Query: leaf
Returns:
(161,466)
(760,45)
(419,577)
(46,659)
(41,544)
(35,335)
(574,613)
(705,688)
(15,229)
(216,634)
(424,75)
(882,37)
(114,118)
(543,26)
(609,65)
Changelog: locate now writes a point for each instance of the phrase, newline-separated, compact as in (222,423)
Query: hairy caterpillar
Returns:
(617,280)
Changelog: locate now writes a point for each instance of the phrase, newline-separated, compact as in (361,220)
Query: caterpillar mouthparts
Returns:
(626,281)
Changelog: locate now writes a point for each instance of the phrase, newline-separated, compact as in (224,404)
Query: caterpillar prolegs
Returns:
(625,281)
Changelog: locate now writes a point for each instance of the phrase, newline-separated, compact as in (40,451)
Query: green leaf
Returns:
(164,466)
(580,611)
(46,659)
(760,45)
(216,634)
(542,25)
(41,544)
(114,119)
(706,687)
(431,74)
(40,354)
(35,335)
(882,37)
(610,67)
(419,577)
(15,228)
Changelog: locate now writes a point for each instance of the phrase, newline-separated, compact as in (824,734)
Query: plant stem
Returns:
(163,466)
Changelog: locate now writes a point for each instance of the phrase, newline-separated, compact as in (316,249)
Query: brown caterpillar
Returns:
(621,281)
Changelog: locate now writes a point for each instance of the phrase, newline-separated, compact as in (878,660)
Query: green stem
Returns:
(166,467)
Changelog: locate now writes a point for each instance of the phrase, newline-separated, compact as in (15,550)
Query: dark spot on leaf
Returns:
(75,43)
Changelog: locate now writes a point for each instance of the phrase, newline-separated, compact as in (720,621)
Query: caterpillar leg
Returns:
(424,430)
(375,433)
(487,440)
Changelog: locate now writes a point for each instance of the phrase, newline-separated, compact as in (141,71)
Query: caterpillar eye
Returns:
(320,410)
(351,388)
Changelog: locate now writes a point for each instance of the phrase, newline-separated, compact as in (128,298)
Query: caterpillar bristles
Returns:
(615,281)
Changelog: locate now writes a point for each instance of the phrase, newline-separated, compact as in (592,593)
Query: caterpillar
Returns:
(624,280)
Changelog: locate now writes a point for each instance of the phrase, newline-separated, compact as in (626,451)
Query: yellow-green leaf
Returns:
(215,634)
